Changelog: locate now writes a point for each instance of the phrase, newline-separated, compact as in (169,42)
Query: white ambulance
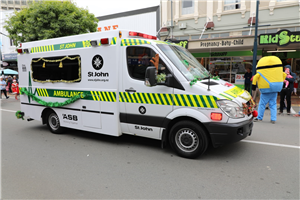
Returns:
(106,83)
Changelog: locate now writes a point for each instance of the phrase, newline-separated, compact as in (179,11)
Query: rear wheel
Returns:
(188,139)
(53,123)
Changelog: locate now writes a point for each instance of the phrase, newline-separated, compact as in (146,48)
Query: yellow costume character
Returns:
(269,79)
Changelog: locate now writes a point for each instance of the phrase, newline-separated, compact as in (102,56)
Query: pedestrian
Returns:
(15,78)
(269,79)
(8,83)
(15,88)
(286,92)
(296,83)
(3,87)
(247,77)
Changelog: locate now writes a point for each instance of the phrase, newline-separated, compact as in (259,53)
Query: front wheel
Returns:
(53,123)
(188,139)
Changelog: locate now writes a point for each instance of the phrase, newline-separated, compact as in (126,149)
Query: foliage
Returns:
(49,19)
(161,78)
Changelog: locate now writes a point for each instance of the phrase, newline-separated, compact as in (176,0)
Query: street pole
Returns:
(171,19)
(255,42)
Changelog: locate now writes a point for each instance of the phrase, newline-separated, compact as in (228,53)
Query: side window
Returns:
(138,59)
(56,69)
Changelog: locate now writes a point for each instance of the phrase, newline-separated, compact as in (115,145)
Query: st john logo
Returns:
(97,62)
(142,110)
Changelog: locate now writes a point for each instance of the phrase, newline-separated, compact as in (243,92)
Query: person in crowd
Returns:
(247,77)
(15,88)
(216,73)
(296,83)
(286,92)
(8,83)
(15,78)
(3,87)
(269,79)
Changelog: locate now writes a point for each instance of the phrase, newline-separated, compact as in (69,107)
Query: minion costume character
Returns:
(269,79)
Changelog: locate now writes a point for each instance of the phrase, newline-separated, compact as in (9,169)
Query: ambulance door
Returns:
(145,107)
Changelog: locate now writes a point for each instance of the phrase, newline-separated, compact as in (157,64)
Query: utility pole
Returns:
(255,41)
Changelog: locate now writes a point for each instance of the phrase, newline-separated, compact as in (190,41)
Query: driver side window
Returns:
(138,59)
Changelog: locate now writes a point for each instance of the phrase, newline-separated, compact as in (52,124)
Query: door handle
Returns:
(130,90)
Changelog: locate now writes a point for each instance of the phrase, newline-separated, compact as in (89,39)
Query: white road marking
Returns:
(8,110)
(272,144)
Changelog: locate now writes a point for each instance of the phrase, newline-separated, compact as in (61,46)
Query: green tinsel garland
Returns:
(19,115)
(216,78)
(193,81)
(51,104)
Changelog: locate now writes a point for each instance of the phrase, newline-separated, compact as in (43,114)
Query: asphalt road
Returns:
(37,164)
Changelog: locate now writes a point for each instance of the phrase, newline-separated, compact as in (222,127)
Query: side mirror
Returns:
(150,76)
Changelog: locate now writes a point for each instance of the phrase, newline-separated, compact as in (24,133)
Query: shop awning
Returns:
(10,72)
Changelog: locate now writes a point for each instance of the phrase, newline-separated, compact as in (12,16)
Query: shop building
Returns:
(220,34)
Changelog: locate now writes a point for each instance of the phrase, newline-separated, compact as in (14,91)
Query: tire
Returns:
(53,123)
(188,139)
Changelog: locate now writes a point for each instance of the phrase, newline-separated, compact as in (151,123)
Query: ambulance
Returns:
(126,82)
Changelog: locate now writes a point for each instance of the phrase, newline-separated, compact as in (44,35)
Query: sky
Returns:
(107,7)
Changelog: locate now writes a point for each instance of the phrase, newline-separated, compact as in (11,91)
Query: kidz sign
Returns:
(281,38)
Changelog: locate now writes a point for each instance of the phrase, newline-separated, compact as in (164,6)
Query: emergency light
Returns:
(20,50)
(104,41)
(132,33)
(216,116)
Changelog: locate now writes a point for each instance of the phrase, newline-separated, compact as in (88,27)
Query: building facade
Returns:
(220,33)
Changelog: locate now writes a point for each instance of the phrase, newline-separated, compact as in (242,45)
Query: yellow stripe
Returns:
(206,101)
(175,100)
(52,47)
(157,97)
(123,42)
(108,96)
(128,98)
(137,42)
(123,96)
(93,95)
(46,92)
(163,98)
(100,95)
(147,97)
(96,96)
(137,98)
(193,101)
(143,100)
(120,98)
(213,101)
(103,94)
(187,100)
(143,41)
(47,48)
(113,96)
(180,99)
(44,48)
(127,42)
(199,100)
(38,91)
(168,97)
(153,100)
(133,41)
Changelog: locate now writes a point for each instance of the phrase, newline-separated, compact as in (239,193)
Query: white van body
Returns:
(115,103)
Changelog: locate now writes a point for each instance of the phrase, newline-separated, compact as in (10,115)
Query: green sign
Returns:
(281,38)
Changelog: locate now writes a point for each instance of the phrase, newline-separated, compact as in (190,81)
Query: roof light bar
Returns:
(132,33)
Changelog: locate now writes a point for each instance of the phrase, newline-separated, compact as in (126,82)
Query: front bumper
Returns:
(224,133)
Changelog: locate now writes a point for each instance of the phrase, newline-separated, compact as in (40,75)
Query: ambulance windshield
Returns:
(185,62)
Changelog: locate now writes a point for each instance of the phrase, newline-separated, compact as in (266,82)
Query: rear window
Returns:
(56,69)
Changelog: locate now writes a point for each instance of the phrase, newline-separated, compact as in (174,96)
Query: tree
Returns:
(49,19)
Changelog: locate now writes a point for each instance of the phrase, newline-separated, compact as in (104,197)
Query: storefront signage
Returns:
(214,54)
(183,43)
(9,56)
(222,43)
(239,79)
(281,38)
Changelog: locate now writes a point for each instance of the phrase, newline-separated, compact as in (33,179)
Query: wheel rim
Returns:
(53,121)
(187,140)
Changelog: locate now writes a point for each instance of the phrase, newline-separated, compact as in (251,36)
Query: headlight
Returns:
(231,108)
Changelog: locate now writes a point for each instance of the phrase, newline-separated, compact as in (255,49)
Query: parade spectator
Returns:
(286,92)
(8,83)
(15,78)
(296,83)
(269,78)
(247,77)
(3,87)
(15,88)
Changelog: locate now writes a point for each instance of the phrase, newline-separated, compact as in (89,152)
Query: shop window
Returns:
(4,8)
(138,60)
(197,37)
(262,31)
(297,28)
(215,35)
(246,33)
(222,35)
(17,2)
(274,30)
(232,4)
(292,29)
(23,2)
(3,2)
(183,38)
(57,69)
(10,2)
(187,7)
